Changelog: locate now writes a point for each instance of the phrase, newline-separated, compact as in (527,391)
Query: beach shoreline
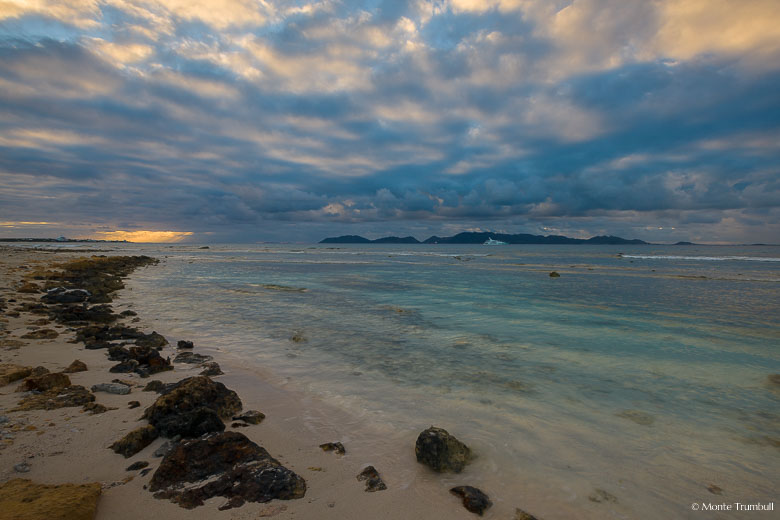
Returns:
(69,445)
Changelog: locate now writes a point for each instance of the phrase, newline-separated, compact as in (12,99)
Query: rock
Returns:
(76,366)
(135,441)
(637,416)
(211,369)
(554,274)
(10,373)
(63,295)
(333,446)
(22,499)
(141,464)
(81,313)
(133,404)
(127,313)
(29,288)
(192,407)
(41,334)
(715,490)
(163,449)
(124,367)
(45,382)
(96,408)
(522,515)
(441,451)
(473,499)
(153,340)
(191,358)
(74,395)
(22,468)
(111,388)
(599,495)
(373,481)
(39,371)
(154,386)
(239,425)
(227,465)
(251,417)
(185,344)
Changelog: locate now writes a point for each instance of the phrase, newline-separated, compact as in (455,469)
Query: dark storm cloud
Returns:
(384,115)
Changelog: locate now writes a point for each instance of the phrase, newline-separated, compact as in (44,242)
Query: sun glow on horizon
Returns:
(144,235)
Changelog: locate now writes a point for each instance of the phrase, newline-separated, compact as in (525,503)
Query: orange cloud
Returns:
(144,236)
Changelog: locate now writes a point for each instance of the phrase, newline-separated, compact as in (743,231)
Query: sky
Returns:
(264,120)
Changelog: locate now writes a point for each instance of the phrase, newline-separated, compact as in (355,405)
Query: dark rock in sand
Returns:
(441,451)
(135,441)
(191,358)
(63,295)
(41,334)
(251,417)
(473,499)
(185,344)
(154,386)
(715,490)
(133,404)
(74,395)
(128,313)
(192,407)
(76,366)
(153,340)
(135,466)
(373,481)
(44,382)
(227,465)
(39,371)
(127,366)
(211,368)
(71,313)
(96,408)
(522,515)
(333,446)
(111,388)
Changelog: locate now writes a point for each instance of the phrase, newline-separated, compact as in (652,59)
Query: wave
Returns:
(706,258)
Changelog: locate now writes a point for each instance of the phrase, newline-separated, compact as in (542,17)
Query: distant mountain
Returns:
(481,237)
(683,243)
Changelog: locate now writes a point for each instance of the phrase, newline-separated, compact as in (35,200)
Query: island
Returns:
(482,237)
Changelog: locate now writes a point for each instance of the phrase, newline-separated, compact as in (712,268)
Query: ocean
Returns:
(631,386)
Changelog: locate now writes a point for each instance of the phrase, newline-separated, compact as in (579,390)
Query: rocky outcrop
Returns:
(142,360)
(22,499)
(227,465)
(10,372)
(135,441)
(473,499)
(192,407)
(63,295)
(441,451)
(373,481)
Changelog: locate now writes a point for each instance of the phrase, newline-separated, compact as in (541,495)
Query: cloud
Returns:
(576,116)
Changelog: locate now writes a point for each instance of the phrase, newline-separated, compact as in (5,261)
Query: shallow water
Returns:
(641,371)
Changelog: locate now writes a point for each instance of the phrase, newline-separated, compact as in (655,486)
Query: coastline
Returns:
(69,445)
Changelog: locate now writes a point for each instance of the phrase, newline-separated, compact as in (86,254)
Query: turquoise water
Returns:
(642,370)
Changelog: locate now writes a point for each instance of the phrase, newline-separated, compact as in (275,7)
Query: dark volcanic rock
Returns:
(373,481)
(76,366)
(128,313)
(227,465)
(193,406)
(473,499)
(192,358)
(211,368)
(185,344)
(135,441)
(441,451)
(333,446)
(63,295)
(82,313)
(251,417)
(153,340)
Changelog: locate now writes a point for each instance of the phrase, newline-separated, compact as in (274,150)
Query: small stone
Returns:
(145,472)
(128,313)
(22,468)
(141,464)
(191,358)
(554,274)
(373,481)
(154,386)
(111,388)
(76,366)
(185,344)
(473,499)
(96,408)
(441,451)
(135,441)
(133,404)
(211,369)
(250,416)
(333,446)
(715,490)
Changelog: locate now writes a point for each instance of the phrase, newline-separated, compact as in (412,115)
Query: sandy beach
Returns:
(71,445)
